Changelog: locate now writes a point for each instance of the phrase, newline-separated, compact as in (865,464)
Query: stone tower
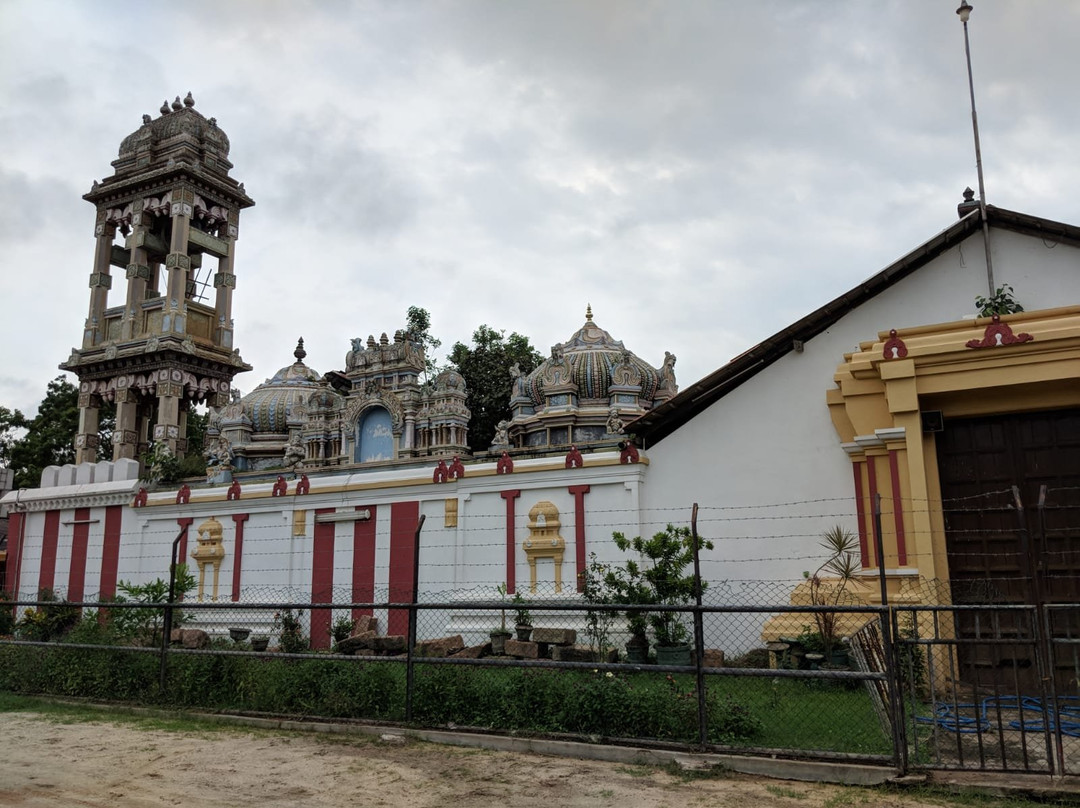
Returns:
(163,345)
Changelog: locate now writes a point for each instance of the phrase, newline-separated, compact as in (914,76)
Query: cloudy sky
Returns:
(702,173)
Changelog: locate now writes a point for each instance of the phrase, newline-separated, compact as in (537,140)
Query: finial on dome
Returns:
(299,353)
(588,312)
(176,104)
(189,101)
(164,107)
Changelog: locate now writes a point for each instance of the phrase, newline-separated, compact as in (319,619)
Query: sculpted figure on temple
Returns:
(518,378)
(667,373)
(350,357)
(615,423)
(502,436)
(294,453)
(218,454)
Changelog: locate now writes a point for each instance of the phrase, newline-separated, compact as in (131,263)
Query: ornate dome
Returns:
(284,396)
(596,362)
(180,119)
(450,381)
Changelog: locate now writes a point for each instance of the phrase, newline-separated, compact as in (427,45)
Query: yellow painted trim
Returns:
(941,373)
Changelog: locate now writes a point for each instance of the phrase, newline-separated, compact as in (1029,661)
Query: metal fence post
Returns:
(412,622)
(166,628)
(888,639)
(699,636)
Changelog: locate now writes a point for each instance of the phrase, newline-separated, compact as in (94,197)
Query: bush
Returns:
(291,638)
(7,615)
(49,621)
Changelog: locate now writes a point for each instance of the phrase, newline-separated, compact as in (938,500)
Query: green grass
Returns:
(808,715)
(783,791)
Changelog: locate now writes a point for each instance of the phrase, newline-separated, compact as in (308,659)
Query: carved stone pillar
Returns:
(178,264)
(225,283)
(100,282)
(138,274)
(86,439)
(167,428)
(126,435)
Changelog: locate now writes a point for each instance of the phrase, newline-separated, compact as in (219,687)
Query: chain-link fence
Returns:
(980,671)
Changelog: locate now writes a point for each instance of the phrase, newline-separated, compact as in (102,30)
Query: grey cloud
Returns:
(319,171)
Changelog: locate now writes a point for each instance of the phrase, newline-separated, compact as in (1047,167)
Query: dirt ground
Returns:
(56,762)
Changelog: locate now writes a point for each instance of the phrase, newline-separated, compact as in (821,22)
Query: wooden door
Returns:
(991,559)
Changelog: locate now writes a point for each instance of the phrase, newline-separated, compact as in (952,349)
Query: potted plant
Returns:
(843,564)
(522,618)
(260,642)
(500,635)
(665,557)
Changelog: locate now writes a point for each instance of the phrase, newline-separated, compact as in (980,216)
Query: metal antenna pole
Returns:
(965,11)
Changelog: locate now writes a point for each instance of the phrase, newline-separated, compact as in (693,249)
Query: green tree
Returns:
(418,324)
(485,366)
(49,437)
(11,422)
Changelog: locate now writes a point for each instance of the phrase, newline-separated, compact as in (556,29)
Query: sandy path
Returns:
(49,763)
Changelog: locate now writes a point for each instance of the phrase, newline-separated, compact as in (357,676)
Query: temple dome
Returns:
(583,394)
(180,119)
(283,397)
(593,356)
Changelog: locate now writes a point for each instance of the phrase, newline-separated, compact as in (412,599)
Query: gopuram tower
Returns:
(168,217)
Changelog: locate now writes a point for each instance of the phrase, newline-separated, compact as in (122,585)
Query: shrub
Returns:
(7,615)
(341,629)
(664,558)
(290,628)
(49,621)
(598,702)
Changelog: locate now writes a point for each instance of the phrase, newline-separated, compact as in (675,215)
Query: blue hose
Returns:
(1065,719)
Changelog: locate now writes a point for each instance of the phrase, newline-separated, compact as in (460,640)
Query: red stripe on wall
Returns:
(238,554)
(403,519)
(80,537)
(181,553)
(322,579)
(110,550)
(871,479)
(511,544)
(860,509)
(14,555)
(579,492)
(363,562)
(898,509)
(47,572)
